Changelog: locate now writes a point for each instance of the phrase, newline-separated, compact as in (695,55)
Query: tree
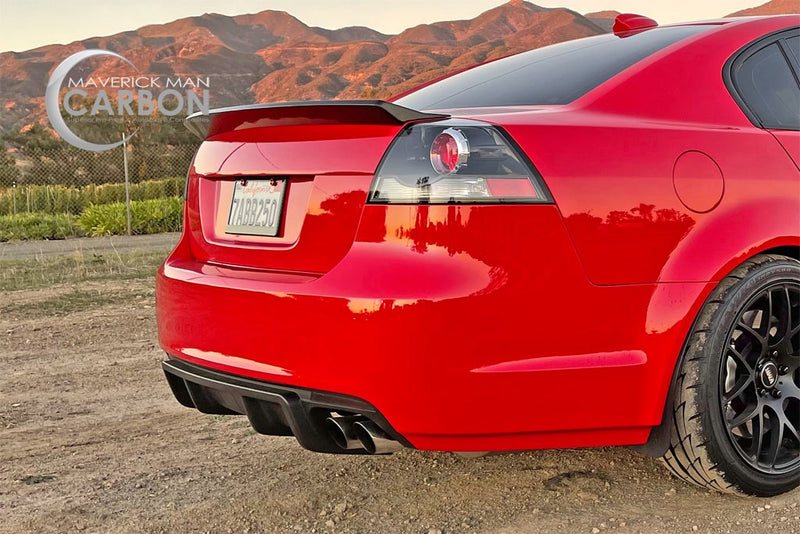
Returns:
(9,172)
(161,148)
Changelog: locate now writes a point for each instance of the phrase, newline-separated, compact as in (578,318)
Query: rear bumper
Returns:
(495,342)
(272,409)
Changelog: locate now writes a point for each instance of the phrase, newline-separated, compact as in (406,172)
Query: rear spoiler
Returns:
(218,121)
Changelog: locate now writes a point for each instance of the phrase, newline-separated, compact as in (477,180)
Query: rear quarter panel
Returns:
(609,159)
(618,199)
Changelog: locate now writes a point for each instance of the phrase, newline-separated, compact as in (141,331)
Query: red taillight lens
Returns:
(471,162)
(449,151)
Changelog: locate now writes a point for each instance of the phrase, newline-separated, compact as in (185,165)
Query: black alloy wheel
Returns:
(760,380)
(735,418)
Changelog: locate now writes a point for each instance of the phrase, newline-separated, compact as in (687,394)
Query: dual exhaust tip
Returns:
(357,432)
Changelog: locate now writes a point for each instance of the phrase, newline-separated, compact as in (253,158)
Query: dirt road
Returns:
(91,441)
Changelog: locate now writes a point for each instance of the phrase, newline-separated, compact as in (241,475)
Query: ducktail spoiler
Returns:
(222,120)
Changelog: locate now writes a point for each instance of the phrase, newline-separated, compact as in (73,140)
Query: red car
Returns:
(593,243)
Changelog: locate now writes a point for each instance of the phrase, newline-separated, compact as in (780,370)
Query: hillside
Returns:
(272,56)
(774,7)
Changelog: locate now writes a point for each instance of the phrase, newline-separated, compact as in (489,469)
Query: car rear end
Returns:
(365,276)
(307,285)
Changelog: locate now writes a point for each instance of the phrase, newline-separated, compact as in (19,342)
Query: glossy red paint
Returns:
(425,300)
(630,22)
(619,144)
(698,181)
(330,169)
(471,327)
(790,142)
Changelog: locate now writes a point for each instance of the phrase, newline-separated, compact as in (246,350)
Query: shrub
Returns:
(66,199)
(38,226)
(147,217)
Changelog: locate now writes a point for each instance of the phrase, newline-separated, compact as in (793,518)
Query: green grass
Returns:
(47,272)
(147,217)
(68,199)
(25,226)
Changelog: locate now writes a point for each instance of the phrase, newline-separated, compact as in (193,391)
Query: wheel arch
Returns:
(659,439)
(790,251)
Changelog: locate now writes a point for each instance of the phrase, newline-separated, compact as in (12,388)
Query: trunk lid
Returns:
(322,156)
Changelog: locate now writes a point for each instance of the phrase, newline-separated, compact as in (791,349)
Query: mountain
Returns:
(272,56)
(304,70)
(774,7)
(225,48)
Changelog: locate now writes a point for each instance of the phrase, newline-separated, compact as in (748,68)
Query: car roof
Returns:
(699,58)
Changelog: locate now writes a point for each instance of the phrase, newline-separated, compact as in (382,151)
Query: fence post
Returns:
(127,182)
(14,194)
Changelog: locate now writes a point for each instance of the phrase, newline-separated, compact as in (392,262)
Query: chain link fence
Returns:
(63,179)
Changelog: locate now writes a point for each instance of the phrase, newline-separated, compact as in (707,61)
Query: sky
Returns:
(26,24)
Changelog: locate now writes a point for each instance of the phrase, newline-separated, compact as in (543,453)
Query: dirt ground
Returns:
(22,250)
(92,441)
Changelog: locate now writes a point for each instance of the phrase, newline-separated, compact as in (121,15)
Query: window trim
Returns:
(777,37)
(794,60)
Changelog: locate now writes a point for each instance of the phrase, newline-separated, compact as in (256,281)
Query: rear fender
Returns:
(711,250)
(666,307)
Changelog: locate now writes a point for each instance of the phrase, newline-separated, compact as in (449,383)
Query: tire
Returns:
(725,377)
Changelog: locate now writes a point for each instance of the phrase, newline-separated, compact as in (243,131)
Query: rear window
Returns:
(556,74)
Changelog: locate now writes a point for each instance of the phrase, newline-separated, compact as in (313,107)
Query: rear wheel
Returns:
(736,408)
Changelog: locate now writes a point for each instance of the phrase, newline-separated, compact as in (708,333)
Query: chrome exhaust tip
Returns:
(341,430)
(373,439)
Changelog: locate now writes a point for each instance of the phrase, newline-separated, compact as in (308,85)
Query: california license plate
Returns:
(256,207)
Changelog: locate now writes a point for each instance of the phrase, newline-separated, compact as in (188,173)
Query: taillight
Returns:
(449,151)
(455,162)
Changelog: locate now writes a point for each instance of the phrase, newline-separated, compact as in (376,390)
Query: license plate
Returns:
(256,207)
